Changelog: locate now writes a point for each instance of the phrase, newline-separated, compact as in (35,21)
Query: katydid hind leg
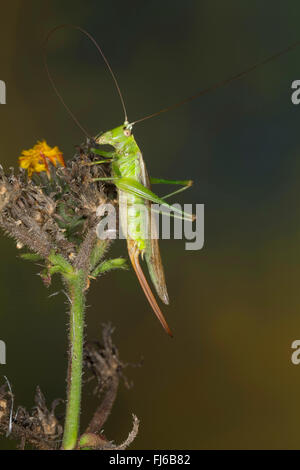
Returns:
(185,183)
(167,181)
(129,185)
(176,192)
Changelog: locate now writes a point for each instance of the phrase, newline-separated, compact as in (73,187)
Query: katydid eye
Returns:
(127,132)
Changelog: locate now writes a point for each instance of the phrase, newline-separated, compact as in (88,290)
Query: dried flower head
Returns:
(36,159)
(56,215)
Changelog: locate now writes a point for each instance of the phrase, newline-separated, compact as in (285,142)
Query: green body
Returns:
(127,163)
(133,184)
(129,174)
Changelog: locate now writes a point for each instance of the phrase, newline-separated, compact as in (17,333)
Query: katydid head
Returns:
(118,137)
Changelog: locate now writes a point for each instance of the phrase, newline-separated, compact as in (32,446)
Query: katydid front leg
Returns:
(103,153)
(108,156)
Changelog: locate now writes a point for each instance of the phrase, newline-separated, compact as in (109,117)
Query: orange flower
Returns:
(36,159)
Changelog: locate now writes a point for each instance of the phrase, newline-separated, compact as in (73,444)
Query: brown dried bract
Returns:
(39,428)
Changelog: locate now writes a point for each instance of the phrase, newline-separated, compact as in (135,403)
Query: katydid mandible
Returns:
(130,176)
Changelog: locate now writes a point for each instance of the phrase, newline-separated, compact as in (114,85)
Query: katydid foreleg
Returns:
(110,154)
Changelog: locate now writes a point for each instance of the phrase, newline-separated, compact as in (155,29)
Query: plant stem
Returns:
(76,286)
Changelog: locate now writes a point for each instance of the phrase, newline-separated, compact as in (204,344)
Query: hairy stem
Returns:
(76,286)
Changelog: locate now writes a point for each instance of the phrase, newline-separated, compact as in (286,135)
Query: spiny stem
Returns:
(76,287)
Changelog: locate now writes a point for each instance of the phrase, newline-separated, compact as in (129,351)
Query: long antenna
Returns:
(90,37)
(222,83)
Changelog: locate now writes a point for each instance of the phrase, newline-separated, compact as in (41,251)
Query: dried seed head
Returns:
(53,214)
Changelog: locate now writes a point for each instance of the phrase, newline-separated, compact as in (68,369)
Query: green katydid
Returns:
(130,176)
(133,184)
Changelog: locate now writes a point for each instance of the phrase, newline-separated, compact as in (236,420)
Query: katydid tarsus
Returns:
(133,184)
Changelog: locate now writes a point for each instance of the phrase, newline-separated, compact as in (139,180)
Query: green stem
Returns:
(76,283)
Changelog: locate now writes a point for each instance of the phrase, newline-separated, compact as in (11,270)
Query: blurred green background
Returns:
(226,380)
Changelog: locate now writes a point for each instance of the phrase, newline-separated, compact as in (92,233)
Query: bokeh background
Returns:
(226,380)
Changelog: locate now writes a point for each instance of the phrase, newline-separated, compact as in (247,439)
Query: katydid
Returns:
(133,185)
(130,177)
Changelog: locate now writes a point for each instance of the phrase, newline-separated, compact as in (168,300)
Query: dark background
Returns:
(226,380)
